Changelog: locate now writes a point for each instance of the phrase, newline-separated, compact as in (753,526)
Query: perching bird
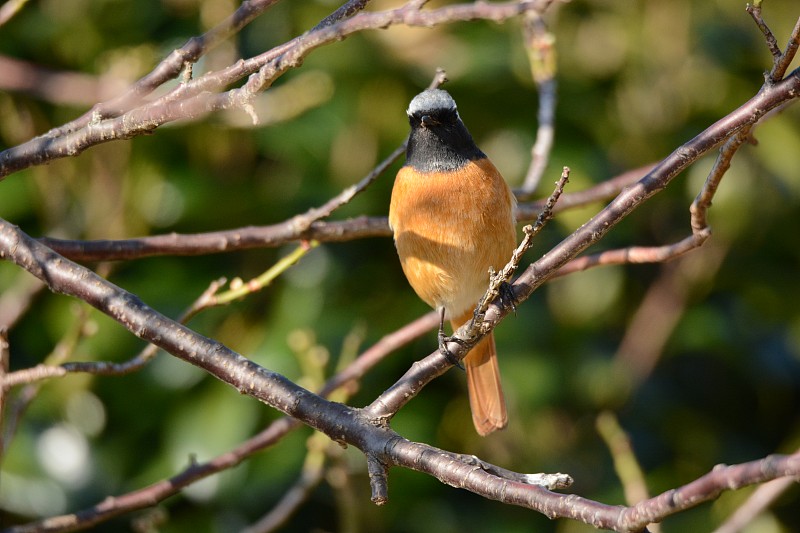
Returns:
(452,215)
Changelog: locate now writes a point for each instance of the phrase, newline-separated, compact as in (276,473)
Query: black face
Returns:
(439,141)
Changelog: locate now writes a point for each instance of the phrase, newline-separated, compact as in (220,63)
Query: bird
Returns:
(453,219)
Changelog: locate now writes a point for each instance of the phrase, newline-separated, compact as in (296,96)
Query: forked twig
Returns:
(498,279)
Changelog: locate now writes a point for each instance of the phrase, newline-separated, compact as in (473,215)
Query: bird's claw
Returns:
(443,340)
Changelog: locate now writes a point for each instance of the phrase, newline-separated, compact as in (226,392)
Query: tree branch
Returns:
(552,263)
(197,97)
(367,429)
(379,443)
(307,228)
(161,490)
(768,98)
(540,45)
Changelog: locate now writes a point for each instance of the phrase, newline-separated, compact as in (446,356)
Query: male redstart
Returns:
(452,214)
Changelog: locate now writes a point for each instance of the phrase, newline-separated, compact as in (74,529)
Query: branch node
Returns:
(547,481)
(187,72)
(378,480)
(780,60)
(497,280)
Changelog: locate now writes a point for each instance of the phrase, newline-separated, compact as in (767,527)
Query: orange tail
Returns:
(483,382)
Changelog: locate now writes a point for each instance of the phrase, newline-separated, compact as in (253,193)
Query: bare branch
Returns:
(552,263)
(759,500)
(772,42)
(152,494)
(780,60)
(788,55)
(208,299)
(9,9)
(346,10)
(196,98)
(617,518)
(290,230)
(768,98)
(51,369)
(499,279)
(540,44)
(626,465)
(171,67)
(699,222)
(3,389)
(706,488)
(61,351)
(219,241)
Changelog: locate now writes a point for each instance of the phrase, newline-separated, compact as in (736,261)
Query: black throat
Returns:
(440,147)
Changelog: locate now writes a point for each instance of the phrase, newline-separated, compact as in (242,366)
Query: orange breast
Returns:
(449,228)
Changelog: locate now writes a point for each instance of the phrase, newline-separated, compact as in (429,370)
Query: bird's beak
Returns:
(427,121)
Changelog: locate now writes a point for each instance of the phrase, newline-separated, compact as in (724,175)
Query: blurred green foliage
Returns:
(636,79)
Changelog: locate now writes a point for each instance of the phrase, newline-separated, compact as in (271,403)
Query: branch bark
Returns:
(303,227)
(196,98)
(368,428)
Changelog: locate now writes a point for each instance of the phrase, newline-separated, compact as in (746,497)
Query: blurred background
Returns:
(698,359)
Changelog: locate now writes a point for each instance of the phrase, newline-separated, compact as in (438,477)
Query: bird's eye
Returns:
(428,121)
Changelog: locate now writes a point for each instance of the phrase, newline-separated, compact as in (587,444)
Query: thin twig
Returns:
(626,464)
(209,298)
(242,289)
(780,68)
(540,45)
(287,231)
(49,369)
(772,43)
(61,351)
(200,96)
(159,491)
(11,8)
(761,498)
(699,222)
(780,60)
(170,67)
(496,280)
(4,348)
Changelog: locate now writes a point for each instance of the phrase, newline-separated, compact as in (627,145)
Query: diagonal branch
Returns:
(161,490)
(701,231)
(382,445)
(768,98)
(196,98)
(65,277)
(178,60)
(780,60)
(549,265)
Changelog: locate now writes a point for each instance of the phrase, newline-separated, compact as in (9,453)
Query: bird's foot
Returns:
(443,340)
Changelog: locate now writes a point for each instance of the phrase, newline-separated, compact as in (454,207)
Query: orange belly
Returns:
(449,229)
